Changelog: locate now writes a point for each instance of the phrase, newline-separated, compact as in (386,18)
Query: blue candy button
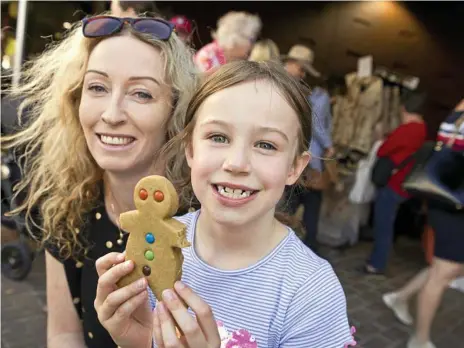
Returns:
(150,238)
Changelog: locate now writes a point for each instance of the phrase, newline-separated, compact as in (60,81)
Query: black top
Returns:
(102,236)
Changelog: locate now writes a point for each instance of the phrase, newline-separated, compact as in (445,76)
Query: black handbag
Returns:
(440,177)
(384,168)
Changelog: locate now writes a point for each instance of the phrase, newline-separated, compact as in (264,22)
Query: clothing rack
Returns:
(393,78)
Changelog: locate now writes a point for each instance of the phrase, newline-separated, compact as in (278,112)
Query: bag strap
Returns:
(404,163)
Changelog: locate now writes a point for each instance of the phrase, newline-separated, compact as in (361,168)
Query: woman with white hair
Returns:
(235,35)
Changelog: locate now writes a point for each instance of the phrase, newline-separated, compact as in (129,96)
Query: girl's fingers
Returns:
(192,332)
(124,311)
(203,313)
(116,299)
(104,263)
(168,329)
(157,335)
(107,281)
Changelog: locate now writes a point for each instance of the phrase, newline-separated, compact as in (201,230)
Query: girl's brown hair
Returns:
(227,76)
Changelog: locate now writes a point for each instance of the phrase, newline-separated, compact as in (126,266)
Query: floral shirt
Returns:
(210,57)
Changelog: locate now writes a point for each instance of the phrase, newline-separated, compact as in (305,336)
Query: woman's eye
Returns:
(266,146)
(143,95)
(219,139)
(97,88)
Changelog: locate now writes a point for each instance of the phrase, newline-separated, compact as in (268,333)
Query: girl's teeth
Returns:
(116,140)
(231,193)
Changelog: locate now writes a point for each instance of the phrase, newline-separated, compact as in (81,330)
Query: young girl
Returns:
(248,280)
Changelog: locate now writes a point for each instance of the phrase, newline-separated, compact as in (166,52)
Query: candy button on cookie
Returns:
(146,270)
(158,196)
(149,255)
(150,238)
(143,194)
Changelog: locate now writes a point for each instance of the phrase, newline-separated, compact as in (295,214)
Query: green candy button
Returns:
(149,255)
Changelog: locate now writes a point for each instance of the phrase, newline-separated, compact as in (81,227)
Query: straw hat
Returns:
(303,55)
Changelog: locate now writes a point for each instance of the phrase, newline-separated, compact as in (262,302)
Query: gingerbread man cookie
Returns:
(155,238)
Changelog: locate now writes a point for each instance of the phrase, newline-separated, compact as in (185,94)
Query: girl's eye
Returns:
(97,88)
(219,139)
(266,146)
(143,95)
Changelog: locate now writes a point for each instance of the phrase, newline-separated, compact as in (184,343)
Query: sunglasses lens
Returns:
(153,27)
(101,27)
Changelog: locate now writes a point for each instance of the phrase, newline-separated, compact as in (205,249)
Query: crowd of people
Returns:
(237,132)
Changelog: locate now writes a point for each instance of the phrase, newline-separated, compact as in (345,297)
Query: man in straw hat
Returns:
(299,62)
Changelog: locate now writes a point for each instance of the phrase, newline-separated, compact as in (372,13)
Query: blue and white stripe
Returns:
(291,298)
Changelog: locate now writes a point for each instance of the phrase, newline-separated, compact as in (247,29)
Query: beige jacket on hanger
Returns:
(357,113)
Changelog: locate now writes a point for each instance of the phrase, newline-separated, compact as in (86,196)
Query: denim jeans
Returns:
(386,207)
(312,201)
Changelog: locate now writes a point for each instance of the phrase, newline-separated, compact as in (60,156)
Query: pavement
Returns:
(23,306)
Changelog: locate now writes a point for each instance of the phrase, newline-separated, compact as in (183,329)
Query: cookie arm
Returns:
(178,235)
(129,220)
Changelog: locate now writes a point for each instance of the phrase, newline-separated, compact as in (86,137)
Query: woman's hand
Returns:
(125,313)
(199,332)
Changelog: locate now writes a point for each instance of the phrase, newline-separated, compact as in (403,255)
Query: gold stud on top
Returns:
(79,264)
(76,230)
(90,334)
(109,244)
(98,216)
(120,241)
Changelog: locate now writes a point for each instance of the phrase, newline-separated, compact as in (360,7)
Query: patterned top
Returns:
(452,129)
(210,57)
(291,298)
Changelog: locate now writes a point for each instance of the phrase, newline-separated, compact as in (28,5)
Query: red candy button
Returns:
(158,196)
(143,194)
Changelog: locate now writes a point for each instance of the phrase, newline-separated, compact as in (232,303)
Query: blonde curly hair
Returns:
(236,27)
(60,177)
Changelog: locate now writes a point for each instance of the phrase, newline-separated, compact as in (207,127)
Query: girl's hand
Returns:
(125,313)
(199,332)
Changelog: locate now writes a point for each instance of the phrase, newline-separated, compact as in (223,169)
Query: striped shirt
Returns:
(291,298)
(452,129)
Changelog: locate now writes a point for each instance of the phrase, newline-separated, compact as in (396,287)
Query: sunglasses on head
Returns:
(101,26)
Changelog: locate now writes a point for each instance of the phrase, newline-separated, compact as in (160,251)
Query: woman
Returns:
(448,261)
(235,35)
(103,102)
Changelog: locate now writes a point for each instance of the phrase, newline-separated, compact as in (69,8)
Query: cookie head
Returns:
(157,196)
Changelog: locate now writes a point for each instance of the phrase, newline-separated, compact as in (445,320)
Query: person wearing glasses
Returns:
(101,104)
(234,38)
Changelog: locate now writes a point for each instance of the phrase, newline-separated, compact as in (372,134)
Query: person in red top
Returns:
(399,145)
(184,28)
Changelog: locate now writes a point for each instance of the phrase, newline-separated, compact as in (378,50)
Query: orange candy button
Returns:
(143,194)
(158,196)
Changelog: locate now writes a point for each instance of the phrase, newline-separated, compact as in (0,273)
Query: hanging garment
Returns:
(385,118)
(363,190)
(395,109)
(358,112)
